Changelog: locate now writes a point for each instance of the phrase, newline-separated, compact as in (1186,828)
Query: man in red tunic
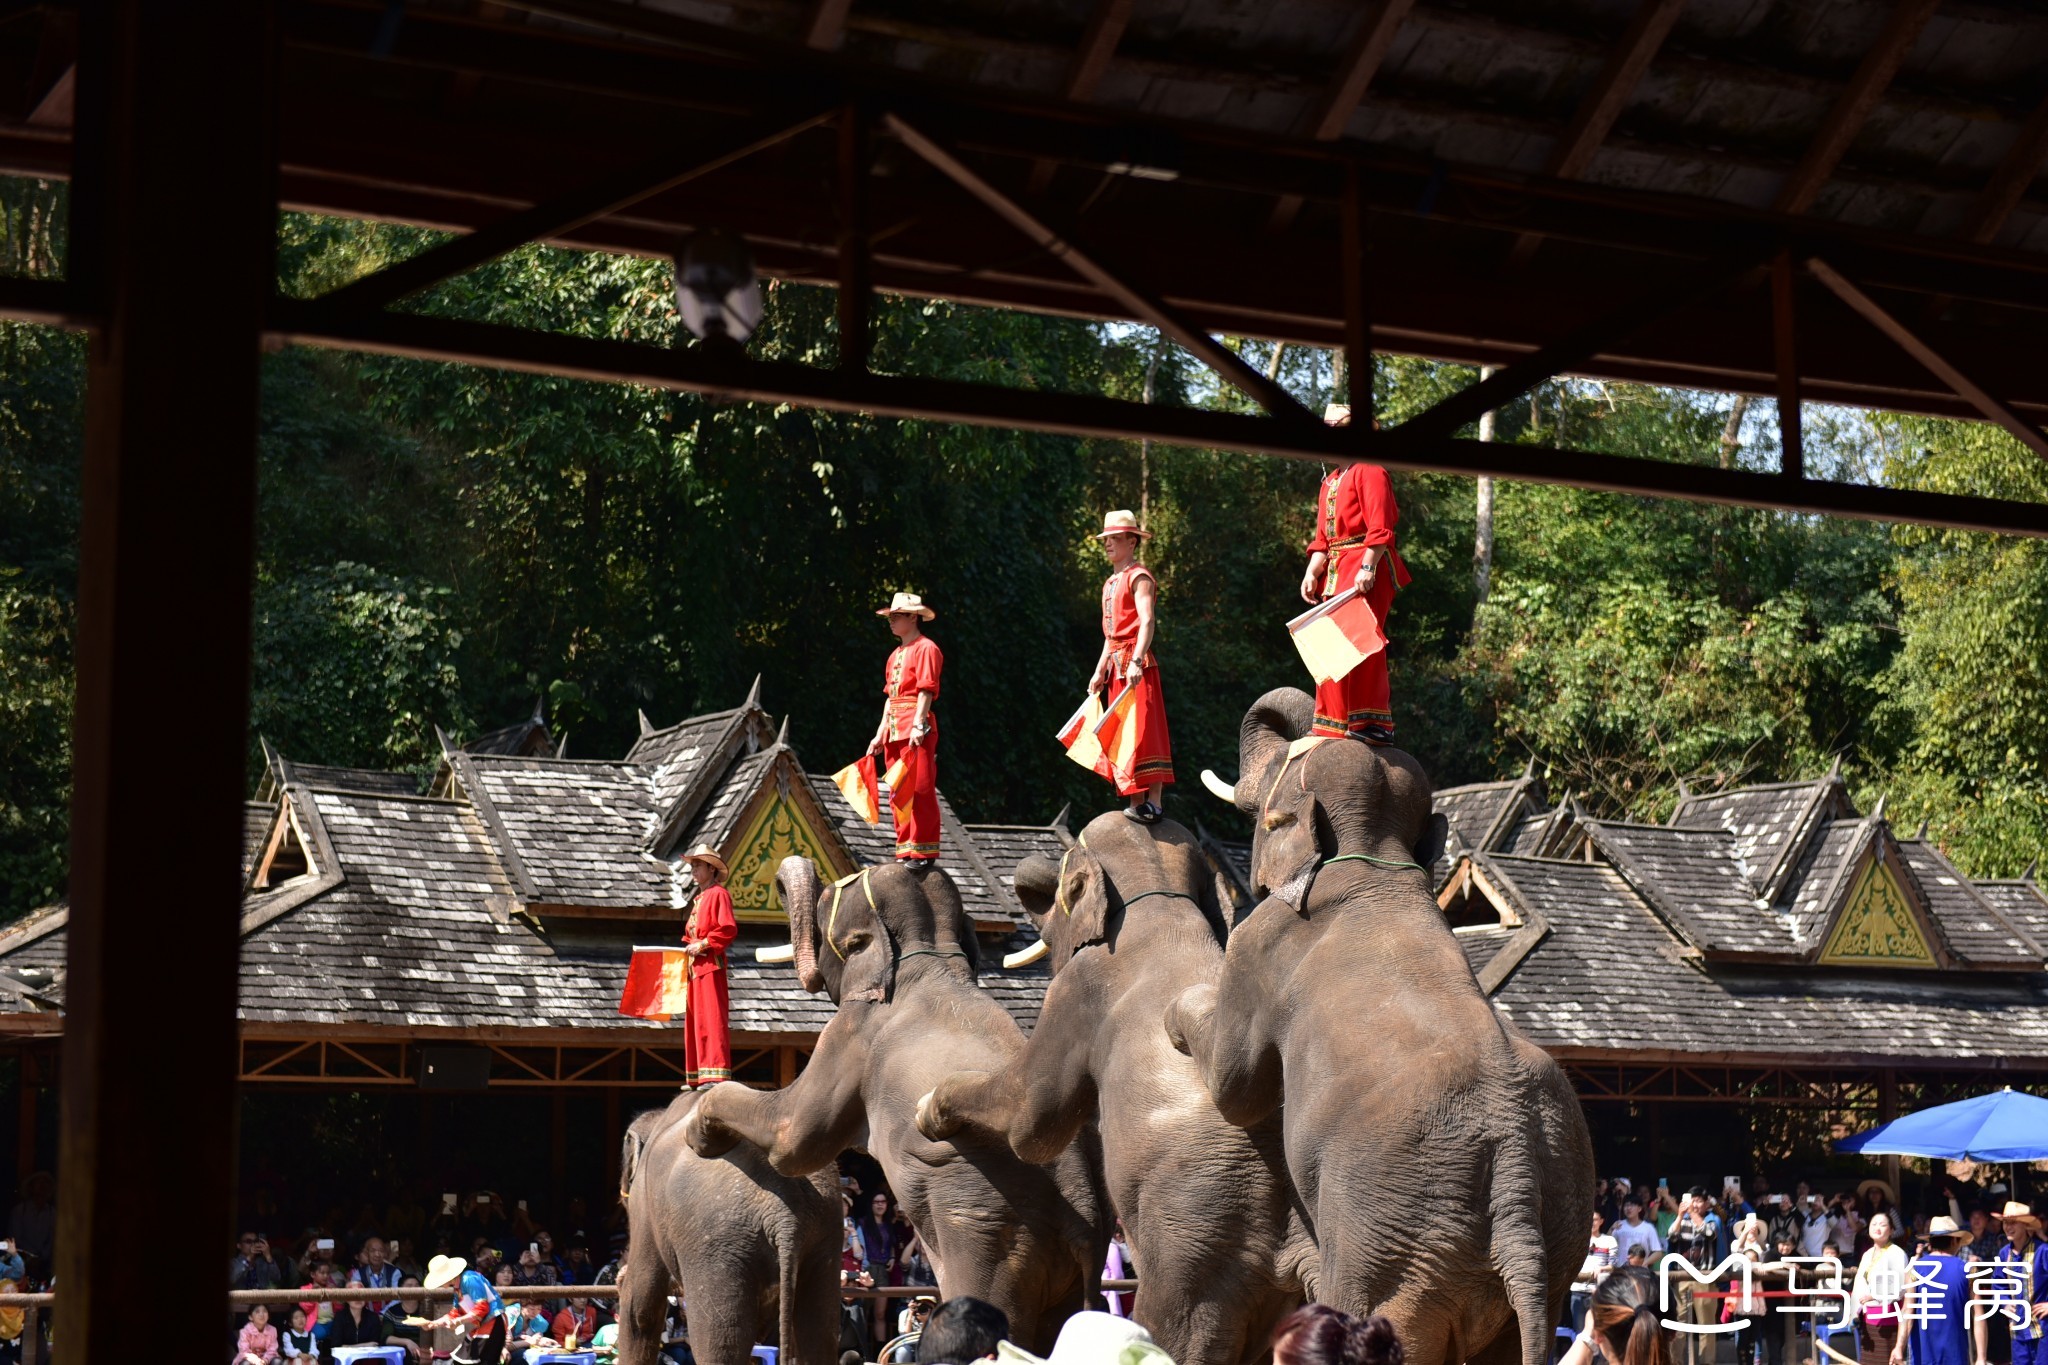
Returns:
(707,933)
(1130,599)
(1354,547)
(909,734)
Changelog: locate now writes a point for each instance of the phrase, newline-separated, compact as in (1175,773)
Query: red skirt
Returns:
(707,1039)
(914,805)
(1151,760)
(1363,696)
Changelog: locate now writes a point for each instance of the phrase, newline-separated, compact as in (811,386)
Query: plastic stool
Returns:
(369,1355)
(765,1354)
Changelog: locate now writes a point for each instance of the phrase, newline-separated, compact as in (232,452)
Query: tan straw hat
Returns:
(443,1271)
(2022,1212)
(907,602)
(1122,522)
(705,853)
(1944,1227)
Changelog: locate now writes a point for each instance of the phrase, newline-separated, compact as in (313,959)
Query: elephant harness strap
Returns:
(838,888)
(1060,900)
(1296,749)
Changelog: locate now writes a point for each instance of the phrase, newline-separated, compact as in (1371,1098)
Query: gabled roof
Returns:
(1697,880)
(1481,813)
(1820,878)
(572,831)
(2022,903)
(1610,977)
(1004,846)
(1977,931)
(1771,823)
(525,739)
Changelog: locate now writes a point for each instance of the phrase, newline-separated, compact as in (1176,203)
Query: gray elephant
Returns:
(1132,916)
(1442,1158)
(754,1253)
(895,950)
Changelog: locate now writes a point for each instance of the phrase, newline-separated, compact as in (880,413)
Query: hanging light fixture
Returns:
(717,291)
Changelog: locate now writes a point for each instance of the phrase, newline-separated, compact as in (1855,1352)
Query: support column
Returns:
(173,223)
(558,1157)
(25,1132)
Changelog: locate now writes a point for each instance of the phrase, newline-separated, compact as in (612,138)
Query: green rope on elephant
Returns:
(1368,858)
(1177,895)
(932,952)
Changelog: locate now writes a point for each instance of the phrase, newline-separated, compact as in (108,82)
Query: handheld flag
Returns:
(856,782)
(896,782)
(1337,636)
(657,984)
(1118,732)
(1077,736)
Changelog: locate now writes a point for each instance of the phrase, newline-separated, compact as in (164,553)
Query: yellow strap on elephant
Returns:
(838,888)
(1059,899)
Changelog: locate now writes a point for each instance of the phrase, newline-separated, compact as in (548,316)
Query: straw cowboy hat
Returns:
(907,601)
(443,1271)
(2021,1212)
(705,853)
(1943,1228)
(1122,522)
(1890,1196)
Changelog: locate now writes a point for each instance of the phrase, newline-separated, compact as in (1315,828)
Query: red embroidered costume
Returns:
(913,802)
(1355,510)
(1152,759)
(707,1041)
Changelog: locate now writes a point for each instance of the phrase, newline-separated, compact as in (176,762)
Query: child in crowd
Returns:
(257,1343)
(298,1337)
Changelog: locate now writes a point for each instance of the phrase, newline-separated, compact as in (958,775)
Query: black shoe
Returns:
(1145,813)
(1377,734)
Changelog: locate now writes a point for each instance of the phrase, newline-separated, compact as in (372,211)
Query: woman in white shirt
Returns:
(1880,1281)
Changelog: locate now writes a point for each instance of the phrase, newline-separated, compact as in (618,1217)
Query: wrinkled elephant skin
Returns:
(1442,1159)
(896,950)
(754,1254)
(1133,915)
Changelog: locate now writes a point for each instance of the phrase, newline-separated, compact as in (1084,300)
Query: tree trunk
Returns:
(1482,532)
(1731,434)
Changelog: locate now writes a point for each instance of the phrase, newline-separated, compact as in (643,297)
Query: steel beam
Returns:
(1575,349)
(1949,373)
(1211,352)
(601,198)
(173,112)
(1785,337)
(697,371)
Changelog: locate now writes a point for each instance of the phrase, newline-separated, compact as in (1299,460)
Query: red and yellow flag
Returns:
(1337,636)
(1077,736)
(657,984)
(1117,733)
(856,782)
(893,782)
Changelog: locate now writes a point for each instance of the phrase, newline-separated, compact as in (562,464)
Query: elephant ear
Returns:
(1080,916)
(1037,882)
(853,931)
(1288,845)
(1435,835)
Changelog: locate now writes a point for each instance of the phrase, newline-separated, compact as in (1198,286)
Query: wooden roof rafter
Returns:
(1369,46)
(1853,107)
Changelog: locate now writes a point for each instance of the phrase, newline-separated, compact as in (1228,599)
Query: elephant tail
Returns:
(1518,1256)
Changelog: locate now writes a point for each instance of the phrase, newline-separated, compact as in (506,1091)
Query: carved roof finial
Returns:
(753,701)
(2032,868)
(1877,811)
(646,725)
(782,734)
(1059,821)
(540,710)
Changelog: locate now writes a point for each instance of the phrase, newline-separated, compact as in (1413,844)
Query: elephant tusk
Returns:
(1218,788)
(781,953)
(1024,957)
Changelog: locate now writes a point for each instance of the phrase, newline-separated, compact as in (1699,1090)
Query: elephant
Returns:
(894,949)
(755,1252)
(1131,916)
(1442,1158)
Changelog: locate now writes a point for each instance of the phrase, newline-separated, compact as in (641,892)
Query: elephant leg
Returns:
(810,1306)
(643,1308)
(722,1326)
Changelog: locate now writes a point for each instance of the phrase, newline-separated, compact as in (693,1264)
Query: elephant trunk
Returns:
(1274,721)
(797,880)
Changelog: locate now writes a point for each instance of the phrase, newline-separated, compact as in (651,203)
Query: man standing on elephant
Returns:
(707,933)
(908,737)
(1130,599)
(1353,547)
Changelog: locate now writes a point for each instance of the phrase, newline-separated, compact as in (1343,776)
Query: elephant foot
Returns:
(706,1137)
(1185,1013)
(931,1120)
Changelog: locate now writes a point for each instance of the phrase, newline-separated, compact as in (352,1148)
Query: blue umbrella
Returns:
(2009,1125)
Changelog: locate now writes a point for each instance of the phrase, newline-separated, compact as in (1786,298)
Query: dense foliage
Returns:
(441,545)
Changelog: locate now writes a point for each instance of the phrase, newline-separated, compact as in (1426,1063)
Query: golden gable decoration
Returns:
(779,830)
(1877,926)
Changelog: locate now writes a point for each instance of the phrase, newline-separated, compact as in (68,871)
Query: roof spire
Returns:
(1921,833)
(1877,811)
(540,709)
(562,749)
(1529,768)
(1835,768)
(448,746)
(2032,868)
(1059,821)
(753,701)
(646,725)
(782,735)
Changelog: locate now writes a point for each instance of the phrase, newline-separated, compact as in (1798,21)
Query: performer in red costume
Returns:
(1130,598)
(1354,547)
(707,933)
(909,733)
